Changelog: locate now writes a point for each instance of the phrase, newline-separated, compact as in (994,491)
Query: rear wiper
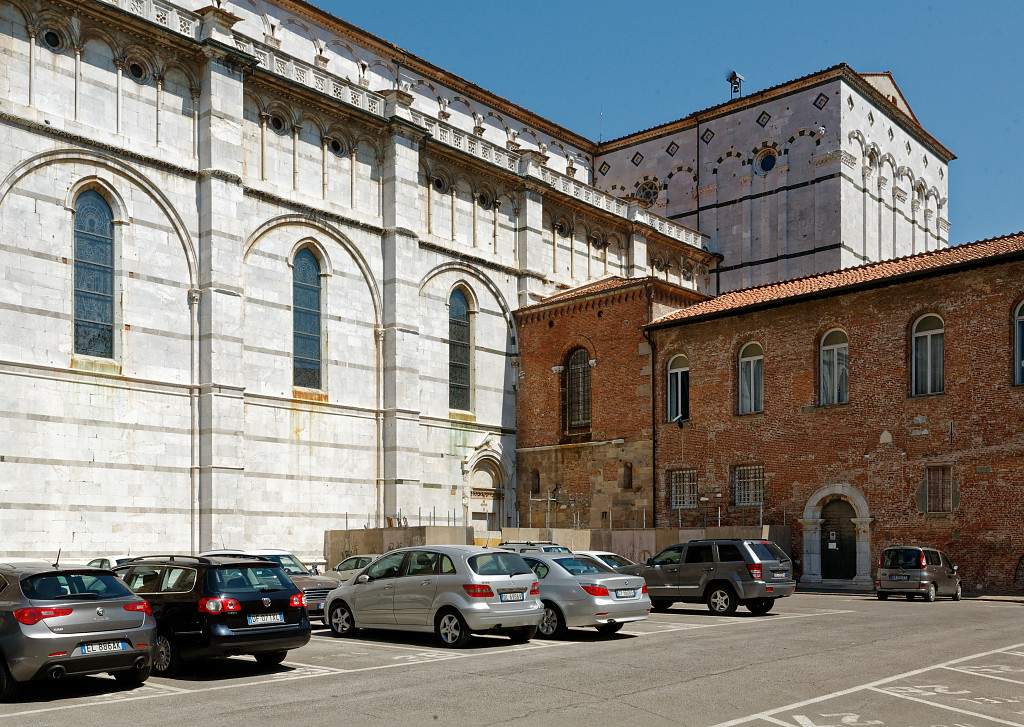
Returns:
(78,596)
(268,589)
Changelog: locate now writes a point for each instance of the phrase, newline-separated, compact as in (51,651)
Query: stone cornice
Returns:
(480,261)
(314,213)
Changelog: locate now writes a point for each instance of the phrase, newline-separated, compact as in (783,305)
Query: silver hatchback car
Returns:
(57,622)
(579,590)
(450,590)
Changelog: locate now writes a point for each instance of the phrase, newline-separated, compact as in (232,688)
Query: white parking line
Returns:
(767,714)
(980,674)
(937,705)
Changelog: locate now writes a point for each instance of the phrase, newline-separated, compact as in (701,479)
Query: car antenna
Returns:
(56,563)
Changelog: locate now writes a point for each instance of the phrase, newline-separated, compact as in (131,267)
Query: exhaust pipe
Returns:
(56,673)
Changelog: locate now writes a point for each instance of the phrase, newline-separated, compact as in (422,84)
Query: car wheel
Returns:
(760,606)
(8,687)
(133,677)
(882,596)
(660,605)
(722,601)
(959,592)
(552,623)
(166,659)
(451,629)
(931,593)
(609,629)
(522,635)
(341,621)
(271,658)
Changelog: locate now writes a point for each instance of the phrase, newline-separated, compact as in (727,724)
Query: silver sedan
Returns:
(579,591)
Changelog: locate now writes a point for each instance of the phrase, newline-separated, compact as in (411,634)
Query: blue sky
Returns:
(606,68)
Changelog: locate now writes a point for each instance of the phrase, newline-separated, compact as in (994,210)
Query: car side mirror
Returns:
(650,562)
(956,569)
(363,578)
(315,570)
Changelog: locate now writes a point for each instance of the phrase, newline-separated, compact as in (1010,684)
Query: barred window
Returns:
(306,320)
(577,390)
(683,488)
(748,484)
(94,276)
(939,481)
(458,352)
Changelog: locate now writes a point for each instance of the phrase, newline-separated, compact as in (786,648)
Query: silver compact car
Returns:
(913,571)
(351,566)
(578,590)
(57,622)
(450,590)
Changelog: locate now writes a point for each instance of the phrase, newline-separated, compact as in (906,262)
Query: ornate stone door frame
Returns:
(812,532)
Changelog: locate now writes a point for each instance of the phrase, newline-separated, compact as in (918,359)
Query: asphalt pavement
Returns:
(815,661)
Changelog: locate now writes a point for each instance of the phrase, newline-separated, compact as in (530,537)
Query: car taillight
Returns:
(219,605)
(141,606)
(535,588)
(297,600)
(478,590)
(755,570)
(32,616)
(594,590)
(924,563)
(644,589)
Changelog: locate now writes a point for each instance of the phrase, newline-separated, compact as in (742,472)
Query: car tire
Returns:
(609,629)
(134,677)
(760,606)
(8,687)
(959,592)
(931,593)
(882,596)
(341,621)
(271,658)
(166,658)
(451,629)
(660,605)
(552,623)
(522,635)
(721,600)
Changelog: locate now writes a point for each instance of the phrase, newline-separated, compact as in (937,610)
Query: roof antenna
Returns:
(600,126)
(56,563)
(735,81)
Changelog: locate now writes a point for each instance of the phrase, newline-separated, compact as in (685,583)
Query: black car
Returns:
(218,607)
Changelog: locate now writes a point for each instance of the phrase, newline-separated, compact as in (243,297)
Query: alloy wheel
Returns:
(162,657)
(720,601)
(549,623)
(341,620)
(450,628)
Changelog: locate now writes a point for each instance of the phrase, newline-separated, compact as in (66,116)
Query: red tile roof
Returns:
(926,263)
(604,285)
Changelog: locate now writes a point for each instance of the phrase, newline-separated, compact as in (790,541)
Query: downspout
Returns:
(379,372)
(193,400)
(654,416)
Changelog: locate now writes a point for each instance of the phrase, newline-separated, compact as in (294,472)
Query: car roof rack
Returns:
(173,558)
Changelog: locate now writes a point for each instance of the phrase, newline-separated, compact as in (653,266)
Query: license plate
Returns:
(899,578)
(513,596)
(625,593)
(103,647)
(318,606)
(779,573)
(264,618)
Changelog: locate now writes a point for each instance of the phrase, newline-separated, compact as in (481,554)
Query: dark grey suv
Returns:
(721,573)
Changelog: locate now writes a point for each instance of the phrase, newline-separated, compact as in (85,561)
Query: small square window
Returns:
(748,485)
(637,158)
(671,149)
(683,489)
(604,168)
(707,136)
(763,119)
(820,101)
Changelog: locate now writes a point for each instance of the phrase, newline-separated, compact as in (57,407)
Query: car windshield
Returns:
(615,561)
(499,564)
(902,558)
(247,578)
(767,550)
(582,566)
(292,566)
(92,586)
(556,549)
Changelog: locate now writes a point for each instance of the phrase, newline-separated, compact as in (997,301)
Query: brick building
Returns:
(876,405)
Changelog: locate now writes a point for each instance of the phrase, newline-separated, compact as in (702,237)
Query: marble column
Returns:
(863,525)
(812,550)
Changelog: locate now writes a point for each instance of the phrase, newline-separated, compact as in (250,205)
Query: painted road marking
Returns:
(948,707)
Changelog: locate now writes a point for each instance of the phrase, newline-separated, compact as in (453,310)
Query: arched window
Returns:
(459,371)
(94,276)
(577,391)
(834,368)
(751,379)
(1018,327)
(678,389)
(928,346)
(306,320)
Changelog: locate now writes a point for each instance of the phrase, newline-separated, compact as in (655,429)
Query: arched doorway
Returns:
(838,541)
(837,537)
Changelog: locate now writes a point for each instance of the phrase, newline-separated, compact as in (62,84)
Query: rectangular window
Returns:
(834,375)
(678,395)
(748,485)
(940,489)
(751,385)
(683,488)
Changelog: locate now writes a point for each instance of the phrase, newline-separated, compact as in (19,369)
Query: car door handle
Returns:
(709,570)
(388,587)
(426,583)
(672,570)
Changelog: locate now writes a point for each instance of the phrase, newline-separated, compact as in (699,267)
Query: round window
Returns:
(136,71)
(53,40)
(647,193)
(277,124)
(336,148)
(439,184)
(485,201)
(765,161)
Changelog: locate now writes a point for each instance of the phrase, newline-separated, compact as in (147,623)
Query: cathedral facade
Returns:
(261,266)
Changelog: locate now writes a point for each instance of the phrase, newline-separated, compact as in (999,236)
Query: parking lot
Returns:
(816,660)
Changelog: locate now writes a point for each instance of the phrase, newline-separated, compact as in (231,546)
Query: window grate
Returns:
(748,485)
(683,488)
(577,394)
(940,489)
